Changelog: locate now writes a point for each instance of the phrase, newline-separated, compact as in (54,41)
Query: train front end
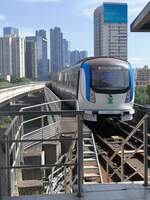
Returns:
(107,89)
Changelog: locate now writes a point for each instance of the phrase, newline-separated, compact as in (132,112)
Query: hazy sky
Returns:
(75,17)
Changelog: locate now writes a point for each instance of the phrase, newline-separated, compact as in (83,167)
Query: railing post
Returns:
(0,179)
(7,158)
(122,163)
(80,154)
(21,135)
(65,179)
(70,169)
(145,152)
(42,123)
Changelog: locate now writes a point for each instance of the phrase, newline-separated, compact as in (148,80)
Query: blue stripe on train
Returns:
(132,82)
(86,69)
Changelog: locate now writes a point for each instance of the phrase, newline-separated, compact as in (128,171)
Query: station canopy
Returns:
(142,22)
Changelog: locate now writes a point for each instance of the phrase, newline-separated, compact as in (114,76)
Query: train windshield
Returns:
(108,79)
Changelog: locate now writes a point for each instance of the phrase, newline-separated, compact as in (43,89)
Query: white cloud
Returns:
(88,12)
(41,1)
(2,17)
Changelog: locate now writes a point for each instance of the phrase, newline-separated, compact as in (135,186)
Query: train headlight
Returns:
(128,97)
(92,96)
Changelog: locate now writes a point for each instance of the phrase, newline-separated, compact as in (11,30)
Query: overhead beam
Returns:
(142,22)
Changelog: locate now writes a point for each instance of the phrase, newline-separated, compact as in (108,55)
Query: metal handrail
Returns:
(30,120)
(97,160)
(10,126)
(27,113)
(48,103)
(19,139)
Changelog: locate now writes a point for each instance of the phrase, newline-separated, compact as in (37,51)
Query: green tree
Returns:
(2,79)
(140,95)
(7,120)
(148,90)
(19,80)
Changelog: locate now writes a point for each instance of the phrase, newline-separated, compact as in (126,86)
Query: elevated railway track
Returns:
(121,149)
(13,93)
(112,152)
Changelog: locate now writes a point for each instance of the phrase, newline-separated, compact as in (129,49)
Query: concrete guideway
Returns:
(62,176)
(9,94)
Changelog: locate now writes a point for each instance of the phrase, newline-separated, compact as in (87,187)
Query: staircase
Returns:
(91,166)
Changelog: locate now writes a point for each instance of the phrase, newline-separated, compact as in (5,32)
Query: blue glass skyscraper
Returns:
(31,58)
(56,49)
(110,30)
(42,67)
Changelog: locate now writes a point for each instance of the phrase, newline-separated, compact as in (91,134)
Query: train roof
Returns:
(98,60)
(104,61)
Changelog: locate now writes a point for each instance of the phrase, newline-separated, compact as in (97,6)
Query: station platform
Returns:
(98,192)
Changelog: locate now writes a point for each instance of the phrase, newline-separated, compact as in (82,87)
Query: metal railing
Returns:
(62,178)
(141,148)
(97,160)
(14,139)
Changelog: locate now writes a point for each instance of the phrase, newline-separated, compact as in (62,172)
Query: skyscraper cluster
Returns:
(28,57)
(21,57)
(61,56)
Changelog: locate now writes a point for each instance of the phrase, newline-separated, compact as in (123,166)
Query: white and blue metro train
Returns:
(103,86)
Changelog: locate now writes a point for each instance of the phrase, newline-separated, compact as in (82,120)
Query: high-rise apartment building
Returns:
(10,31)
(42,67)
(110,30)
(56,49)
(76,55)
(31,58)
(18,57)
(66,52)
(83,54)
(5,56)
(12,56)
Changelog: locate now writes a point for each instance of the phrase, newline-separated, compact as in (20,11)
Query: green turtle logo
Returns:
(110,99)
